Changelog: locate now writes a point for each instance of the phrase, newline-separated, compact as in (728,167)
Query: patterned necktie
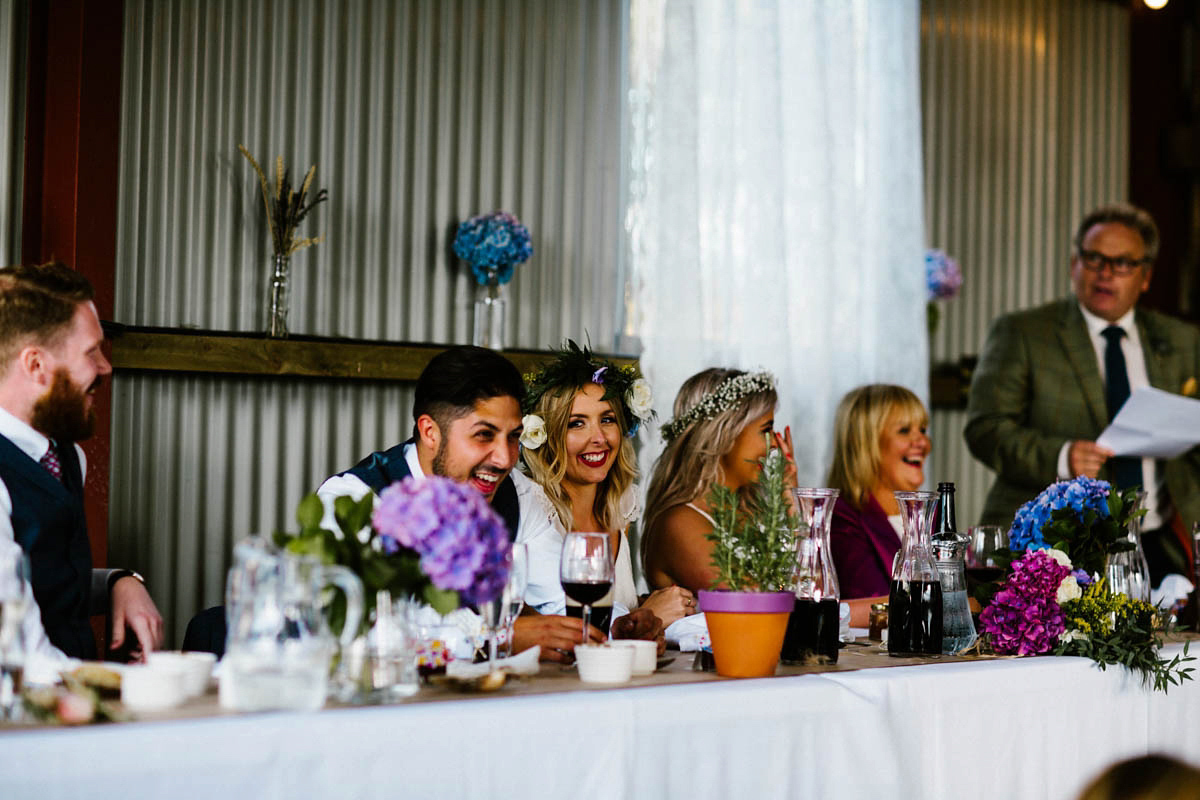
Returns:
(1127,471)
(50,461)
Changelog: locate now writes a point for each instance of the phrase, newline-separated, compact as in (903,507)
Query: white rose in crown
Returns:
(534,435)
(640,399)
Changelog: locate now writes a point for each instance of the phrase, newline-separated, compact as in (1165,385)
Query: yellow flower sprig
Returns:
(289,208)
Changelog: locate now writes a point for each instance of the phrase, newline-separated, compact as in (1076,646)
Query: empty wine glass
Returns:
(492,614)
(513,598)
(586,570)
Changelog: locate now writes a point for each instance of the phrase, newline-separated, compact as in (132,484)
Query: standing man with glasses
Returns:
(1050,379)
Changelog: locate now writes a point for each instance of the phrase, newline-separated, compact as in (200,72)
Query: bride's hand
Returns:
(784,443)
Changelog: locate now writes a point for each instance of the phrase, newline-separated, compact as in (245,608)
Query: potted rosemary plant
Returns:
(755,556)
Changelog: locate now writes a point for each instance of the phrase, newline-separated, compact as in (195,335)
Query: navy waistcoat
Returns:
(381,469)
(49,523)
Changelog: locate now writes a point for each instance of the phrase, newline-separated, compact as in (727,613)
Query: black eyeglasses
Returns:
(1120,265)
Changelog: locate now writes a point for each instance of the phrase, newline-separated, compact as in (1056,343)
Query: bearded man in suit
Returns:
(1050,379)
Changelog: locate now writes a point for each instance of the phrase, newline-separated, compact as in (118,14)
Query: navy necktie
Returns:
(1127,471)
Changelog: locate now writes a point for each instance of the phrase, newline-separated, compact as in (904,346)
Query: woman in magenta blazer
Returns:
(880,447)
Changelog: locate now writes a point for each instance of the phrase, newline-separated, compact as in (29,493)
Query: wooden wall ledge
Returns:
(179,350)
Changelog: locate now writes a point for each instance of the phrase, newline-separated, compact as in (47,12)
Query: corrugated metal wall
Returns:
(417,114)
(12,126)
(1026,107)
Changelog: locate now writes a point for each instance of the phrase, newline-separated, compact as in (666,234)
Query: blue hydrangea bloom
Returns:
(493,244)
(1079,494)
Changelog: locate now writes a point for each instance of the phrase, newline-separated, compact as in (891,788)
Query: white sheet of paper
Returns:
(1154,424)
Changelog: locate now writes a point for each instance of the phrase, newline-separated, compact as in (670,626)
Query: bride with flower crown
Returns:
(577,444)
(724,424)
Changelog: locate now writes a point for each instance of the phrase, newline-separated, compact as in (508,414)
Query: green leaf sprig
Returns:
(754,541)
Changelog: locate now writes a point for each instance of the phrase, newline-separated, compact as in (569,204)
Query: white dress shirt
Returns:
(1158,511)
(34,445)
(538,529)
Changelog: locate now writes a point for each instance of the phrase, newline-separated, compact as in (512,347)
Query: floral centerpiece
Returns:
(943,279)
(286,208)
(754,552)
(1053,601)
(433,540)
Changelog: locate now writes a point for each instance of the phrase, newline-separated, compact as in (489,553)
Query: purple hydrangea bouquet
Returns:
(433,540)
(943,279)
(493,244)
(1053,598)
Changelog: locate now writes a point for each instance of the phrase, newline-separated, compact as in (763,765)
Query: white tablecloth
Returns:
(1027,728)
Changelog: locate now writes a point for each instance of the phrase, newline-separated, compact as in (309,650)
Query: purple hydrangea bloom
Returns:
(1079,494)
(492,244)
(943,278)
(1082,578)
(1024,617)
(461,541)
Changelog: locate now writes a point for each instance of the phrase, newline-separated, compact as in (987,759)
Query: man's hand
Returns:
(1086,458)
(556,635)
(131,606)
(641,623)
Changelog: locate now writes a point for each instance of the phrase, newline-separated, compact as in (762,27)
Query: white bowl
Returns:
(145,687)
(603,664)
(645,654)
(196,668)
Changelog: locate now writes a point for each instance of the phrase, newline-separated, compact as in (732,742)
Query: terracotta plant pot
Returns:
(747,630)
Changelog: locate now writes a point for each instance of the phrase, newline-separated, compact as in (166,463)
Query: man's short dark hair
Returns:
(457,378)
(1132,217)
(37,304)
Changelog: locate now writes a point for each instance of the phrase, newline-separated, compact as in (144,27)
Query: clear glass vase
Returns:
(1128,572)
(490,308)
(279,297)
(915,599)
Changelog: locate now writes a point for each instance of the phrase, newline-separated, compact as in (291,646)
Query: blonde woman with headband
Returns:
(724,424)
(578,446)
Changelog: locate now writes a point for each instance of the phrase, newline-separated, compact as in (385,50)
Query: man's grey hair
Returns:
(1132,217)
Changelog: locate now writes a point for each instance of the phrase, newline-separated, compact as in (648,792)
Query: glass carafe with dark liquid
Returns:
(812,631)
(915,599)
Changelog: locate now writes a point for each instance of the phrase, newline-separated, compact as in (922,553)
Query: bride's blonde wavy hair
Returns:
(691,462)
(548,463)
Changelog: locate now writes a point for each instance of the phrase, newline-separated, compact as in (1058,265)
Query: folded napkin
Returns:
(844,632)
(523,663)
(1174,587)
(688,633)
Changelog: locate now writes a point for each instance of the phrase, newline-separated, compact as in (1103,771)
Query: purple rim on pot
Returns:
(746,602)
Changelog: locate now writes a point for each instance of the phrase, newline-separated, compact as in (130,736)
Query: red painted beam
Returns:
(72,146)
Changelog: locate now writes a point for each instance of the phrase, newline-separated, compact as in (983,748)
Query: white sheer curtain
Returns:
(775,212)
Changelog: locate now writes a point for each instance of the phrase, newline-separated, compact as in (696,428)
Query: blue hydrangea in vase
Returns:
(493,244)
(943,279)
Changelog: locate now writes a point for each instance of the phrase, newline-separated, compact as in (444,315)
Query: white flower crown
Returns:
(725,396)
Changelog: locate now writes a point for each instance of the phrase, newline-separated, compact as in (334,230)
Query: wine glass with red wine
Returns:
(586,570)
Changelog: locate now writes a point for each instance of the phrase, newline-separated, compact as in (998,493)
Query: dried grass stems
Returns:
(286,207)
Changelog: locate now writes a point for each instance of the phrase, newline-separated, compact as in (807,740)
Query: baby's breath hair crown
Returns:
(725,396)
